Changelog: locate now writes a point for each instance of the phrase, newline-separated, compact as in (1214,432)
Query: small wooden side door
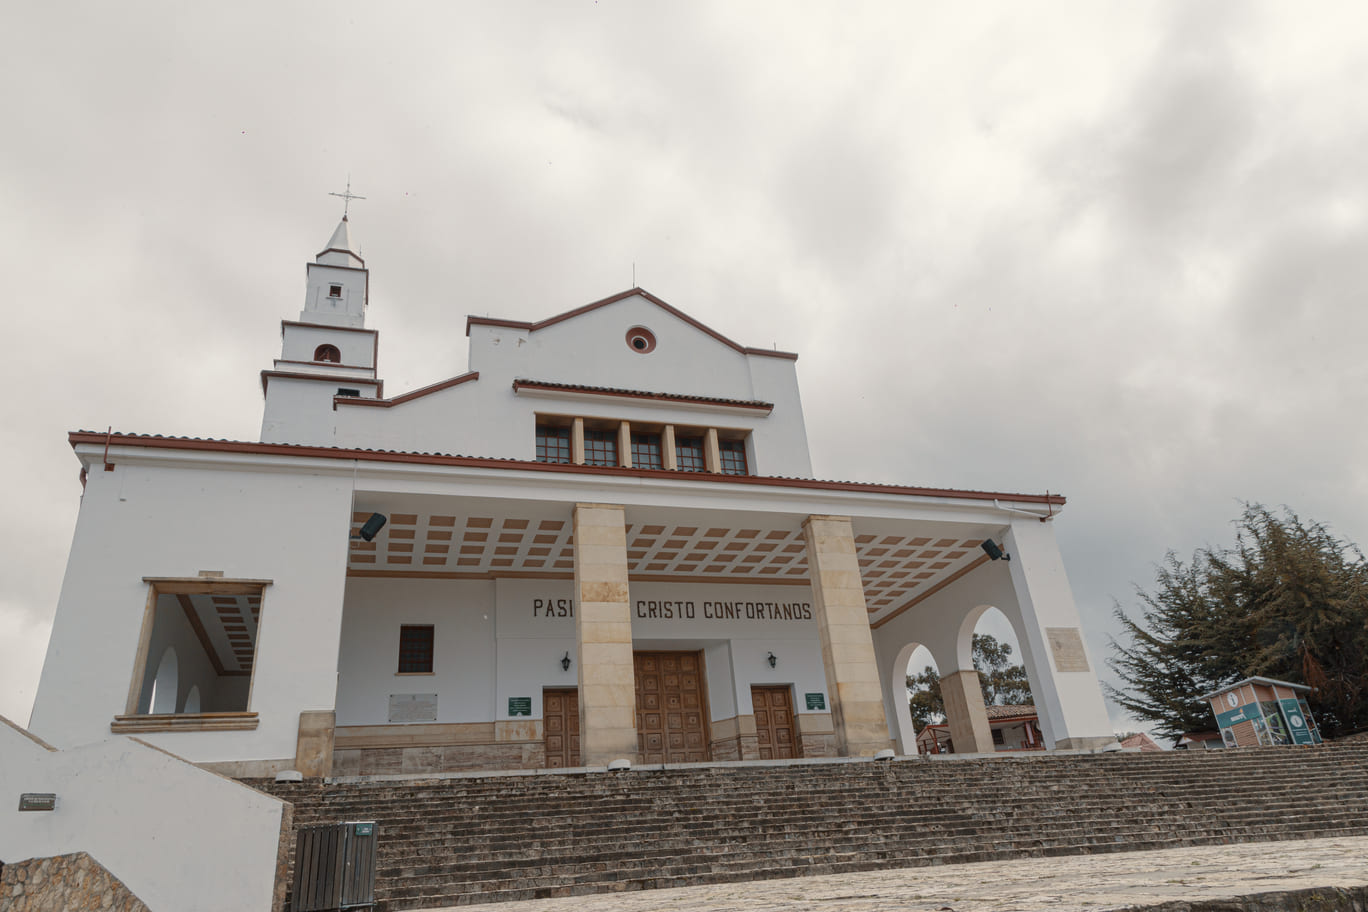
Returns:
(560,727)
(775,730)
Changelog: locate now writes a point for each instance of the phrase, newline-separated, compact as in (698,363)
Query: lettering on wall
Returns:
(553,608)
(724,611)
(687,610)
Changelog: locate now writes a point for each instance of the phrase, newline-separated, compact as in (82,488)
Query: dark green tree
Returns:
(1289,601)
(1003,683)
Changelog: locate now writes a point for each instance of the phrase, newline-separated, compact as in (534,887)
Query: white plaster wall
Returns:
(349,309)
(301,411)
(1070,704)
(153,520)
(298,343)
(180,838)
(485,417)
(461,613)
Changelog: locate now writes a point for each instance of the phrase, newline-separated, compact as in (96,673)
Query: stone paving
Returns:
(1076,883)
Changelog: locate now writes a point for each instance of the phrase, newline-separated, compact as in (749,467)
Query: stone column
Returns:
(965,713)
(852,674)
(314,744)
(603,636)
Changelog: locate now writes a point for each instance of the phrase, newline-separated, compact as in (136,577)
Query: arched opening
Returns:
(915,677)
(192,701)
(166,683)
(994,652)
(328,353)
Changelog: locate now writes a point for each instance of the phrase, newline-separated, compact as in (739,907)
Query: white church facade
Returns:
(604,541)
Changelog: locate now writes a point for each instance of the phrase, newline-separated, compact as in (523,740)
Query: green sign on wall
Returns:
(815,701)
(520,706)
(1297,721)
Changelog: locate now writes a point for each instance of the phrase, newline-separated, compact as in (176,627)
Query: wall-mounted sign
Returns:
(364,829)
(38,801)
(520,706)
(413,708)
(815,701)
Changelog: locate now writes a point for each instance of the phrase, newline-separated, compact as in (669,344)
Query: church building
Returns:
(603,541)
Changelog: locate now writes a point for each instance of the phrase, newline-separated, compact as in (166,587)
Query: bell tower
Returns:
(328,352)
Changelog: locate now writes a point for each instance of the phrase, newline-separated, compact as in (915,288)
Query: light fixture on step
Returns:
(565,661)
(994,552)
(773,660)
(372,527)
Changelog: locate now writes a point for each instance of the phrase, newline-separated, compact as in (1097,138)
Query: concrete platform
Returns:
(1124,880)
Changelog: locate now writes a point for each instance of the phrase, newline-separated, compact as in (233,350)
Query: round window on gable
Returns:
(641,340)
(328,353)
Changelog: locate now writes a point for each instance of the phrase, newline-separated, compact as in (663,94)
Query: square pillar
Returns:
(965,713)
(603,636)
(852,674)
(314,744)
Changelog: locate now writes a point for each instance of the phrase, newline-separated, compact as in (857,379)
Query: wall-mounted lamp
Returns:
(991,549)
(565,661)
(372,527)
(773,660)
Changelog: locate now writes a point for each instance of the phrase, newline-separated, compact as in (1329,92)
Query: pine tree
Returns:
(1289,601)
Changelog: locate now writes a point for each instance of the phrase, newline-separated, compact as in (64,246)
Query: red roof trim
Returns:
(100,438)
(408,397)
(755,404)
(551,321)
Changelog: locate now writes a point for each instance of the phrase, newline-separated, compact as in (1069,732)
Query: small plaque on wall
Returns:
(520,706)
(815,701)
(1067,645)
(413,708)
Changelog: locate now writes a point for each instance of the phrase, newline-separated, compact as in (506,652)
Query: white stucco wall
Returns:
(180,838)
(298,343)
(485,417)
(461,613)
(149,519)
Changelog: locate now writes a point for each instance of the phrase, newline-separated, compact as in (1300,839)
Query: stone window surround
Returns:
(711,436)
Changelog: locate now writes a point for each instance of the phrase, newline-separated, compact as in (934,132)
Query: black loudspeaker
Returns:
(372,527)
(991,549)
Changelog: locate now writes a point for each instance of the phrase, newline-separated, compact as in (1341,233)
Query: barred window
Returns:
(553,444)
(600,448)
(415,648)
(733,454)
(646,452)
(689,454)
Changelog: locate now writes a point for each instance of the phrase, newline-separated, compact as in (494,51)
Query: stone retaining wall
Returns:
(64,883)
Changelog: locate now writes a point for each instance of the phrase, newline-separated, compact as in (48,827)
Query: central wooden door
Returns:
(560,727)
(671,725)
(774,730)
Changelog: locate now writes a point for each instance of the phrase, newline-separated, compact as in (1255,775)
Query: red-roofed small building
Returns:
(1140,741)
(1013,728)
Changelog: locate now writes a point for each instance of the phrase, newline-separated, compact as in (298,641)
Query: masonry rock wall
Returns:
(64,883)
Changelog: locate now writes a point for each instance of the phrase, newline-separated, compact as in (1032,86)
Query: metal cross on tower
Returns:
(348,196)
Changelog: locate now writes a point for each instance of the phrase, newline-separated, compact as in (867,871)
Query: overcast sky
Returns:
(1112,250)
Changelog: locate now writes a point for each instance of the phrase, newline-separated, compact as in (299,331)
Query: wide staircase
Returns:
(474,840)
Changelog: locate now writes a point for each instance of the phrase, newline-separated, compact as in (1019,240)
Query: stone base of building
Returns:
(1096,743)
(448,758)
(77,883)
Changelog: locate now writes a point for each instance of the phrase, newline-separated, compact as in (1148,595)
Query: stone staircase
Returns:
(472,840)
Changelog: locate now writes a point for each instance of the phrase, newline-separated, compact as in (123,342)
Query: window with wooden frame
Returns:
(732,455)
(689,453)
(553,444)
(600,447)
(646,451)
(415,649)
(196,653)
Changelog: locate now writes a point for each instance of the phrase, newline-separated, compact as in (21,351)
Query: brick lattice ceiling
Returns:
(894,567)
